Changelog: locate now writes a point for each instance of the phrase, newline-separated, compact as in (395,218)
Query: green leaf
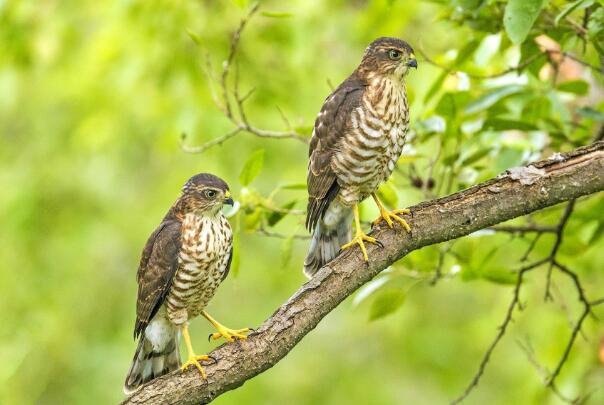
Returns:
(286,250)
(491,98)
(276,14)
(252,167)
(519,17)
(386,303)
(476,156)
(579,87)
(498,124)
(275,216)
(196,38)
(588,231)
(450,159)
(569,8)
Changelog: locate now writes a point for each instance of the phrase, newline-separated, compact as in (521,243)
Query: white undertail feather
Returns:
(157,353)
(331,232)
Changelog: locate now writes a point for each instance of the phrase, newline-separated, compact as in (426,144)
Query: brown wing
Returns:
(330,125)
(156,270)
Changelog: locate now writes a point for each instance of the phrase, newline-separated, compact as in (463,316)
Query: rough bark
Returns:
(518,192)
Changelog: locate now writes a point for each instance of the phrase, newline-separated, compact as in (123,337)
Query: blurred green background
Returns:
(94,96)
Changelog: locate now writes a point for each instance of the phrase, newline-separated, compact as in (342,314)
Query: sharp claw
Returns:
(210,337)
(213,359)
(380,244)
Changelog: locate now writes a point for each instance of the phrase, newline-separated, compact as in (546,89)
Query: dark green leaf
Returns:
(498,124)
(450,159)
(579,87)
(519,17)
(275,216)
(252,167)
(591,113)
(386,302)
(476,156)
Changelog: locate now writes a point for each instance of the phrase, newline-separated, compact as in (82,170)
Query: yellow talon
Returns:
(230,335)
(360,237)
(388,216)
(193,359)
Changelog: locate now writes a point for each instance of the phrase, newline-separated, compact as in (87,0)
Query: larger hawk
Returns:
(357,139)
(182,264)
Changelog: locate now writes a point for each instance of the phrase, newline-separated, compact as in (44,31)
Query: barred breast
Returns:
(373,142)
(203,263)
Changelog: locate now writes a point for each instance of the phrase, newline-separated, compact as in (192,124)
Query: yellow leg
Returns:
(360,237)
(229,334)
(388,216)
(193,359)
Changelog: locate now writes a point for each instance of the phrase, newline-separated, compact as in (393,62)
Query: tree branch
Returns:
(549,182)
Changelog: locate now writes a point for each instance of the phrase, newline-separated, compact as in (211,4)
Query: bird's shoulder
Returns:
(334,115)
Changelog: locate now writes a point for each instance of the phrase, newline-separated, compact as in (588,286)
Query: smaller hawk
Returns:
(182,264)
(357,139)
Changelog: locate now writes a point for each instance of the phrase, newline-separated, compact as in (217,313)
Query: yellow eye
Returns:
(394,54)
(210,194)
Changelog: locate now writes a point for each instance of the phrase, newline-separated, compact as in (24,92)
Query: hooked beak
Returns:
(412,63)
(227,199)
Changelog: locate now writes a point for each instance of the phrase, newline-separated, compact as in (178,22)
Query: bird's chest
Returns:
(203,261)
(375,140)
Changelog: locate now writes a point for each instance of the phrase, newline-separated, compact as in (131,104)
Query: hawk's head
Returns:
(205,193)
(388,56)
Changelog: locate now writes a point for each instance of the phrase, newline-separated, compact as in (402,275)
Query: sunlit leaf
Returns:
(519,17)
(388,195)
(252,167)
(587,231)
(570,7)
(196,38)
(386,302)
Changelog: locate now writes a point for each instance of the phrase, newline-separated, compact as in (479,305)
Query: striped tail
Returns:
(330,233)
(157,354)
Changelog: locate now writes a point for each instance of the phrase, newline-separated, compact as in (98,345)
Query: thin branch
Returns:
(232,102)
(436,221)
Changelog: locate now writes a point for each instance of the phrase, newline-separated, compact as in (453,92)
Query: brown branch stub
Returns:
(577,173)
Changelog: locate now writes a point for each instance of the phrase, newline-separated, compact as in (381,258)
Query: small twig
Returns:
(232,103)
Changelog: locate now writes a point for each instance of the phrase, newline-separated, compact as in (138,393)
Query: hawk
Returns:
(357,139)
(182,264)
